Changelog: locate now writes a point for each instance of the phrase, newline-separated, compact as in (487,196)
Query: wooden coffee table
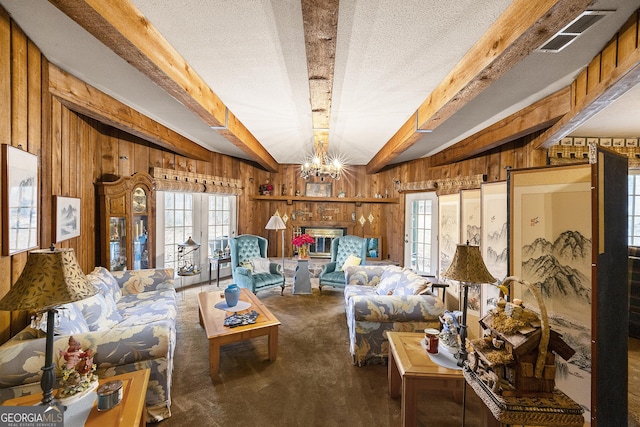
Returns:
(131,411)
(212,319)
(411,369)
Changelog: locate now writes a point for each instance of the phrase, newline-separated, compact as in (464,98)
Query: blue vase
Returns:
(232,294)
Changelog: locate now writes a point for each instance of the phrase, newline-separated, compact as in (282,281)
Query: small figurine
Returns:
(449,333)
(78,369)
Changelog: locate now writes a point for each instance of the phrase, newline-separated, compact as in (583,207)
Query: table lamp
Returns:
(276,223)
(468,268)
(50,278)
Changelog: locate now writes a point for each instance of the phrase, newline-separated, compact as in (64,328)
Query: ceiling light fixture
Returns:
(320,165)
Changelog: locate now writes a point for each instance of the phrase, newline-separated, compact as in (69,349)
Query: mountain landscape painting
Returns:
(494,238)
(67,218)
(471,216)
(449,229)
(552,246)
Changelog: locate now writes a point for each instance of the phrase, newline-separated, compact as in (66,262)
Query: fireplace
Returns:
(323,237)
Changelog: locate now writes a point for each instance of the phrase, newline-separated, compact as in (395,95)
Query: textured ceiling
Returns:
(389,56)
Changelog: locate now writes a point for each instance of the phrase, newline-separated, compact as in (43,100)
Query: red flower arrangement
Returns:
(302,239)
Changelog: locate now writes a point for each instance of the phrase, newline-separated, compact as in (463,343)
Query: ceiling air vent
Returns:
(568,34)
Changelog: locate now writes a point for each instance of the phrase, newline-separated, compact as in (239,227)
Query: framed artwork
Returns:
(317,189)
(494,231)
(67,211)
(19,200)
(374,247)
(551,248)
(448,230)
(470,216)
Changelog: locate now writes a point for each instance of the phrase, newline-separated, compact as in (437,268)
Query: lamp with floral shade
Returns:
(50,278)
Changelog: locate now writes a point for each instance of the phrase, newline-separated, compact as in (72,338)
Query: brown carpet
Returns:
(311,383)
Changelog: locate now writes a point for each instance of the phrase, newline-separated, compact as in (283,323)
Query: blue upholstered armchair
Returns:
(246,248)
(341,248)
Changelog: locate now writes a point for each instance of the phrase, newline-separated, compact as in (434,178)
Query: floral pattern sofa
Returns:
(130,325)
(380,299)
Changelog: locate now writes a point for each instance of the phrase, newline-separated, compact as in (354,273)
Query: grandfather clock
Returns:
(127,222)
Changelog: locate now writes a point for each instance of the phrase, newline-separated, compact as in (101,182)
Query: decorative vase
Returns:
(303,251)
(231,295)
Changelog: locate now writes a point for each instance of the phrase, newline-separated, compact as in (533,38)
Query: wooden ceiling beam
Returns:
(535,117)
(83,98)
(120,26)
(522,28)
(320,21)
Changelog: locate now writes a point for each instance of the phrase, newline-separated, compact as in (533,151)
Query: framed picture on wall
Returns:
(317,189)
(448,229)
(67,211)
(374,247)
(470,217)
(20,200)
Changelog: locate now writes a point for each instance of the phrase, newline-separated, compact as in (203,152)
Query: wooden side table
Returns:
(130,412)
(410,369)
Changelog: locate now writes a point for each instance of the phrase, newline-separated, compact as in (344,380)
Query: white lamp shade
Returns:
(275,223)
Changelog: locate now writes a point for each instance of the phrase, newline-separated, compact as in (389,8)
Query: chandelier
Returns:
(320,165)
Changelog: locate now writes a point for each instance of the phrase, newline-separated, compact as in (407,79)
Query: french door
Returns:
(421,233)
(209,219)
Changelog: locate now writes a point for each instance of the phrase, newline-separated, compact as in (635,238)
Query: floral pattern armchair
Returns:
(380,299)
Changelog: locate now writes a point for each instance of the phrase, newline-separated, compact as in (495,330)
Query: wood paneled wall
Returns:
(76,151)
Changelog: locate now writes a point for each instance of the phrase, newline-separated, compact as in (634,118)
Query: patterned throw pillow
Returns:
(410,284)
(104,280)
(389,281)
(68,321)
(247,265)
(99,311)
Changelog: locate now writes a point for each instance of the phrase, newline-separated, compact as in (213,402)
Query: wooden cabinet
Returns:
(127,222)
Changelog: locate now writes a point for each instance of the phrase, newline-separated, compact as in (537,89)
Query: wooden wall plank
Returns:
(628,37)
(609,57)
(19,107)
(593,73)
